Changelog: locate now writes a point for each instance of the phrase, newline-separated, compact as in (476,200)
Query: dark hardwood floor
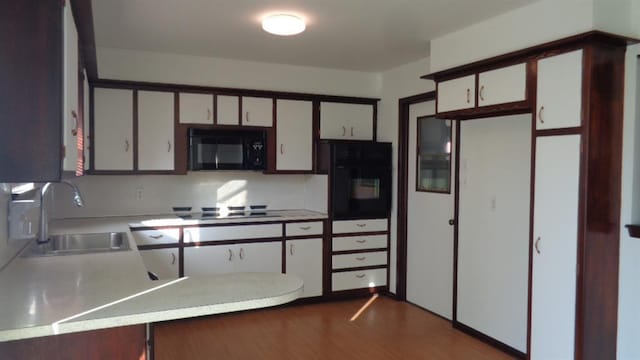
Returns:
(387,329)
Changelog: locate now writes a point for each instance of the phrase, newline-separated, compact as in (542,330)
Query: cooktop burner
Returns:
(235,214)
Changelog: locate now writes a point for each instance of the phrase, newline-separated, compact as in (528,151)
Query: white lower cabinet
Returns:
(555,233)
(164,263)
(304,259)
(358,279)
(220,259)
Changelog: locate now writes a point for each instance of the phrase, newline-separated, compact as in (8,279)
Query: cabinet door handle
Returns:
(362,241)
(208,114)
(481,93)
(281,148)
(352,131)
(468,95)
(361,225)
(344,131)
(241,253)
(156,236)
(173,258)
(246,116)
(126,145)
(168,146)
(540,114)
(305,228)
(291,249)
(230,255)
(74,116)
(361,258)
(536,245)
(360,276)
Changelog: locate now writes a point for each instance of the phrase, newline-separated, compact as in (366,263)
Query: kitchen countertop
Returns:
(51,295)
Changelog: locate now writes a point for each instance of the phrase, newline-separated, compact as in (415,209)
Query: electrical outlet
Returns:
(139,193)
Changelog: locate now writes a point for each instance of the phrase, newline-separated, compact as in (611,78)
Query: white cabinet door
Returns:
(257,111)
(304,259)
(294,135)
(209,260)
(71,115)
(259,257)
(227,110)
(346,121)
(555,232)
(113,121)
(155,130)
(559,93)
(457,94)
(504,85)
(196,108)
(164,263)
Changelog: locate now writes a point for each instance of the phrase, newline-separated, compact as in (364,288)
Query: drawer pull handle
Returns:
(361,258)
(291,249)
(361,225)
(540,114)
(361,241)
(241,253)
(156,236)
(230,255)
(305,227)
(360,276)
(173,259)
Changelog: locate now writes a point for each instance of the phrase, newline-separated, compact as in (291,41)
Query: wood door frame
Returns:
(403,188)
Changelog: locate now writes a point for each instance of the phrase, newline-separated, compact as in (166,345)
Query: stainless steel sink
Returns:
(70,244)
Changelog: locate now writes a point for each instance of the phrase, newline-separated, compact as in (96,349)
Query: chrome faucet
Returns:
(43,235)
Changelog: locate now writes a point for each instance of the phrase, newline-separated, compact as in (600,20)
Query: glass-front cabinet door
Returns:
(434,155)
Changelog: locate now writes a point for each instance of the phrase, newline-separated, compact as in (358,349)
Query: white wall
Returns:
(399,82)
(629,286)
(197,70)
(116,195)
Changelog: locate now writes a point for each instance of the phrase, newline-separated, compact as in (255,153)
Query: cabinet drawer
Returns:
(457,94)
(152,237)
(503,85)
(240,232)
(304,228)
(357,226)
(359,260)
(358,279)
(346,243)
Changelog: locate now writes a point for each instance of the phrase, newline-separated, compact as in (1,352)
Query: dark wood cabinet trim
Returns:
(513,108)
(361,268)
(341,235)
(83,16)
(360,251)
(134,139)
(232,242)
(555,132)
(634,231)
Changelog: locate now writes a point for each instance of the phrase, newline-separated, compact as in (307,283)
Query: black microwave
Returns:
(227,149)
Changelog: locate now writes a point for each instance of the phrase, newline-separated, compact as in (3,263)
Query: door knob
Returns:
(452,222)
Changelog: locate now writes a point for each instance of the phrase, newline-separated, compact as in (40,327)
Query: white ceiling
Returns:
(364,35)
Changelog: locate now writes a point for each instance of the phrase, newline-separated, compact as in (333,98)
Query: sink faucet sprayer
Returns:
(43,235)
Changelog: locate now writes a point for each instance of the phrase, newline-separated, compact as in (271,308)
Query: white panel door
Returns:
(259,257)
(155,130)
(196,108)
(304,259)
(457,94)
(555,232)
(227,110)
(294,135)
(493,227)
(346,121)
(164,263)
(559,91)
(209,260)
(257,111)
(502,85)
(113,121)
(70,115)
(429,235)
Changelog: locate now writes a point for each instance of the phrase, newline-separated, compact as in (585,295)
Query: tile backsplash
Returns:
(156,194)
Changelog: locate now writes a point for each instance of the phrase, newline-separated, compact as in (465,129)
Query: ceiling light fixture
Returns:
(283,24)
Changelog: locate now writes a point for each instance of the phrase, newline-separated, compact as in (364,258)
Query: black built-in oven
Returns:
(227,149)
(360,180)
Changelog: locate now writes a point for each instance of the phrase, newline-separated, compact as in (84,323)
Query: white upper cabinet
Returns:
(71,116)
(227,110)
(155,130)
(113,121)
(504,85)
(559,94)
(346,121)
(457,94)
(196,108)
(294,135)
(257,111)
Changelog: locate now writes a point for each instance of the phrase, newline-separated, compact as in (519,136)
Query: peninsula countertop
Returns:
(43,296)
